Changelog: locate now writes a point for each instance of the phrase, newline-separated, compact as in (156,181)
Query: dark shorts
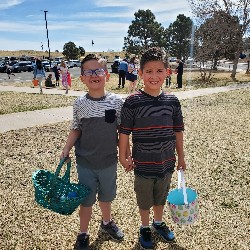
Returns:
(131,77)
(151,191)
(102,182)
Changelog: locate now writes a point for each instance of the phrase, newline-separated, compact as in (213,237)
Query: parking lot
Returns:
(28,76)
(75,72)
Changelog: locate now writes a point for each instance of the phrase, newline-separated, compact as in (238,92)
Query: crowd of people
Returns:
(60,70)
(127,71)
(100,117)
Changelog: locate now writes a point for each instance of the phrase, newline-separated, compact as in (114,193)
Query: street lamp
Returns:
(45,16)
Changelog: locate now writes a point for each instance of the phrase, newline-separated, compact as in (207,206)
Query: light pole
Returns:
(45,16)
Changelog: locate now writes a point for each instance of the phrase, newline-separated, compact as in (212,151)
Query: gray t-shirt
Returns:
(98,120)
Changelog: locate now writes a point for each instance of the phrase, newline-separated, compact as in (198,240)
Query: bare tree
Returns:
(237,9)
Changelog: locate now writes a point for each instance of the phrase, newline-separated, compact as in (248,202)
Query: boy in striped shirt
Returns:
(96,117)
(155,120)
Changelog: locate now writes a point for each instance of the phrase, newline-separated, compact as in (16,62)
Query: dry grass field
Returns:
(110,55)
(218,156)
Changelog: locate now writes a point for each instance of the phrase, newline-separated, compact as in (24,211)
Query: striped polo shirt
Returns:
(153,122)
(97,119)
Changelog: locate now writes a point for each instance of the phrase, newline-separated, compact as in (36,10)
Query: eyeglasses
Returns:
(90,72)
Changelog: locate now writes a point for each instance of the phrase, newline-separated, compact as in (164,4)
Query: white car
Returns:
(74,63)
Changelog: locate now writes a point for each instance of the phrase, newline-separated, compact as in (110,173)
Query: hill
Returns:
(109,55)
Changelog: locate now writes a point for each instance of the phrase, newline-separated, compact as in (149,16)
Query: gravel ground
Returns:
(217,139)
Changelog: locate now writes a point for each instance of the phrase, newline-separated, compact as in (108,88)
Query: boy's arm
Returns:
(125,153)
(180,150)
(73,135)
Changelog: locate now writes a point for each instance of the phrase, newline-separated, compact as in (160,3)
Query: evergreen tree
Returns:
(144,32)
(179,37)
(70,51)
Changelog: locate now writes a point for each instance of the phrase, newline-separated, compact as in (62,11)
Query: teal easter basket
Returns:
(183,202)
(57,193)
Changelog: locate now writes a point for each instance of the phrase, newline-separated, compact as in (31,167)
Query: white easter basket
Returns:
(183,202)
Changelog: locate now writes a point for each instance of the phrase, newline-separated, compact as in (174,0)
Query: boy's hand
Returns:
(127,163)
(64,154)
(181,164)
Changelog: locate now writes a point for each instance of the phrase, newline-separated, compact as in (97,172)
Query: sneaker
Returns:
(112,230)
(145,238)
(163,231)
(82,242)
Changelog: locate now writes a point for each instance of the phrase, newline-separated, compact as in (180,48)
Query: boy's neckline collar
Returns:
(151,96)
(102,98)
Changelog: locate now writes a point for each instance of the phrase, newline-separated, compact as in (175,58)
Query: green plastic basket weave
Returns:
(57,193)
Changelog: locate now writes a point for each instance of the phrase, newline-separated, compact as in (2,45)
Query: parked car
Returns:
(46,66)
(11,63)
(74,63)
(115,66)
(3,67)
(22,66)
(117,58)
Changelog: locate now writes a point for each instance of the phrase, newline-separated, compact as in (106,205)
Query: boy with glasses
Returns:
(96,116)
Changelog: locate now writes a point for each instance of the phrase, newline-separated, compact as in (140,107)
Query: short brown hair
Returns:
(153,54)
(88,58)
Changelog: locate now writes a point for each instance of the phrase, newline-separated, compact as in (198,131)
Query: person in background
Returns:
(122,70)
(48,82)
(179,70)
(9,71)
(64,73)
(155,120)
(56,73)
(39,73)
(96,117)
(131,75)
(103,62)
(169,74)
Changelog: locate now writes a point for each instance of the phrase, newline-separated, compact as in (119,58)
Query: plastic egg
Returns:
(72,195)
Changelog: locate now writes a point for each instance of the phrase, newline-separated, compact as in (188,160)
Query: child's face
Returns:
(153,75)
(94,80)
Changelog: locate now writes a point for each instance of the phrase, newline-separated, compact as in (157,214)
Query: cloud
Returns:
(105,21)
(164,13)
(6,4)
(20,27)
(157,6)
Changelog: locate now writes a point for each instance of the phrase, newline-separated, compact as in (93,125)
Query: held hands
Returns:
(127,163)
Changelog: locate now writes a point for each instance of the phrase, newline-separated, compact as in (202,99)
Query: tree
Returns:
(179,36)
(81,51)
(144,32)
(237,9)
(70,51)
(217,38)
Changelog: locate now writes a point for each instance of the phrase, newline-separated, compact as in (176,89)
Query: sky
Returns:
(106,22)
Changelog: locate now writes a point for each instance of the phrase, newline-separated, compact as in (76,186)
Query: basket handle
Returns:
(182,183)
(66,176)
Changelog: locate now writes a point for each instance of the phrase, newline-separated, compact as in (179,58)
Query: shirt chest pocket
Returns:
(110,115)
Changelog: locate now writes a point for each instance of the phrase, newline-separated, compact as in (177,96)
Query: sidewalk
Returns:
(21,120)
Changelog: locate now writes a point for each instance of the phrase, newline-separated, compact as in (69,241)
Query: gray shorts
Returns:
(102,182)
(151,191)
